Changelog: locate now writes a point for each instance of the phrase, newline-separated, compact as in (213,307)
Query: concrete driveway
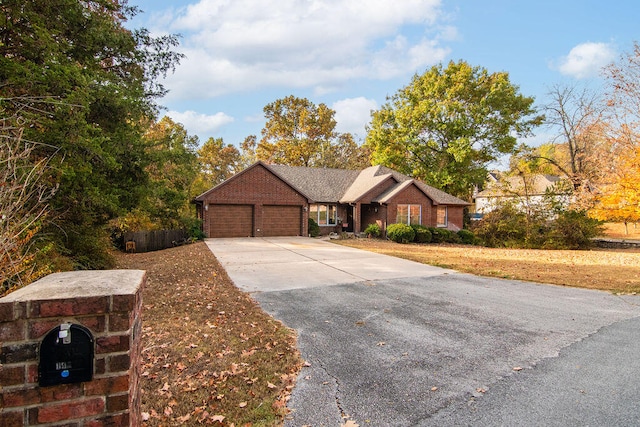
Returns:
(281,263)
(395,343)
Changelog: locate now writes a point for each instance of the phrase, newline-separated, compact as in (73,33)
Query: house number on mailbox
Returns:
(66,355)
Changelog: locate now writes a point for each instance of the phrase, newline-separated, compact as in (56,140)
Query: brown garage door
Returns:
(230,220)
(282,220)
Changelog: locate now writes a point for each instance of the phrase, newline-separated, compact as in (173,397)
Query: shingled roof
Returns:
(348,186)
(318,184)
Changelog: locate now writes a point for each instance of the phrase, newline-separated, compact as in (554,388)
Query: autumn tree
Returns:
(101,81)
(217,162)
(248,154)
(619,201)
(299,133)
(448,124)
(618,193)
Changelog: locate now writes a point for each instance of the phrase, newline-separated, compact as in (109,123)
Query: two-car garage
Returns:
(228,220)
(256,202)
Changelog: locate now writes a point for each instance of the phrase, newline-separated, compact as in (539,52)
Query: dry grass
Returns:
(611,270)
(618,231)
(210,353)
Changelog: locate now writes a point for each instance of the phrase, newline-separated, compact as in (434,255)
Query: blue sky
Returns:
(352,54)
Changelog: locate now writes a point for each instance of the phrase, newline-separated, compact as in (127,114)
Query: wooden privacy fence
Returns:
(147,241)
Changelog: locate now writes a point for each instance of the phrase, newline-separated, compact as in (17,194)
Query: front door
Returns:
(349,219)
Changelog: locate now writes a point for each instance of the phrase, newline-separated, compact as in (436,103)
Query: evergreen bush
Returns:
(373,230)
(423,235)
(400,233)
(314,228)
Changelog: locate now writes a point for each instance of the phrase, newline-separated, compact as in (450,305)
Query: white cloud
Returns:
(587,59)
(352,114)
(241,45)
(200,124)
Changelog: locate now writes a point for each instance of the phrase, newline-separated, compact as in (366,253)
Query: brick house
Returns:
(277,200)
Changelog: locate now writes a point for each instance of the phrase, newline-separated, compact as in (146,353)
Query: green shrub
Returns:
(193,227)
(504,227)
(438,235)
(373,230)
(572,230)
(314,228)
(467,237)
(509,227)
(400,233)
(423,235)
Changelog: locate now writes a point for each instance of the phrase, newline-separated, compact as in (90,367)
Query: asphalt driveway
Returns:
(395,343)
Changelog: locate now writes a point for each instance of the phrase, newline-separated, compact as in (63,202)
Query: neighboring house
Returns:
(277,200)
(528,190)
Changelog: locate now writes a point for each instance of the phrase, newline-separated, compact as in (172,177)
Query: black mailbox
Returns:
(66,355)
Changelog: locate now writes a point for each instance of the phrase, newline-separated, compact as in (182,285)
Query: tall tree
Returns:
(100,80)
(172,170)
(619,201)
(299,133)
(449,123)
(577,116)
(218,161)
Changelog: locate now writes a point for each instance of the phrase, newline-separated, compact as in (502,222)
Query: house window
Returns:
(442,215)
(409,214)
(323,214)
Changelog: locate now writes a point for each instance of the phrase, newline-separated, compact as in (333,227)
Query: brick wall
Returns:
(412,196)
(108,304)
(256,186)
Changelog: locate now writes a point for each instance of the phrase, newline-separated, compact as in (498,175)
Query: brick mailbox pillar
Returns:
(106,304)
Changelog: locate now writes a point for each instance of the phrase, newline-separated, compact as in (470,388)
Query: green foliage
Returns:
(443,235)
(467,237)
(95,83)
(400,233)
(314,228)
(506,226)
(573,230)
(448,124)
(194,228)
(373,230)
(172,169)
(423,235)
(510,227)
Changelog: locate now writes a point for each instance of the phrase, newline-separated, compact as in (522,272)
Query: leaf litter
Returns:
(210,355)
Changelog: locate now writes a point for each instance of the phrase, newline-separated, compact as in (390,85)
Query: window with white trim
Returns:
(442,216)
(324,215)
(409,214)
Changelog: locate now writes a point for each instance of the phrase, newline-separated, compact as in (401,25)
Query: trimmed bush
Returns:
(443,235)
(373,230)
(467,237)
(314,228)
(423,235)
(400,233)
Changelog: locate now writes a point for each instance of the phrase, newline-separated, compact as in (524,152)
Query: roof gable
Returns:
(258,164)
(367,180)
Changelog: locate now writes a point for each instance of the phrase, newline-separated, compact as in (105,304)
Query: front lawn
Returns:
(610,270)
